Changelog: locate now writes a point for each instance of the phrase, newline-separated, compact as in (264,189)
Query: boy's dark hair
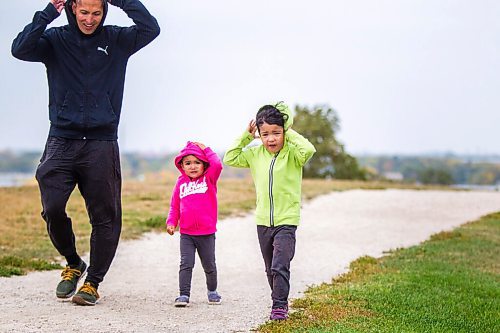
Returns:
(271,115)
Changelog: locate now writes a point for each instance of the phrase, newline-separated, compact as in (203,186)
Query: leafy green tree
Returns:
(319,125)
(435,176)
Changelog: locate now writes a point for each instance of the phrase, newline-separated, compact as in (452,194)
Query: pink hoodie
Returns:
(194,201)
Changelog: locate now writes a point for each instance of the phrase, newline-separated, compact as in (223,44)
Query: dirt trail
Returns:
(138,291)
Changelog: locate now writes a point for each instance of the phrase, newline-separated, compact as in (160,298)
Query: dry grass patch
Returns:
(145,206)
(324,305)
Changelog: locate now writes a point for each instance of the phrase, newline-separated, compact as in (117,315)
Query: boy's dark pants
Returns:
(205,245)
(94,166)
(277,245)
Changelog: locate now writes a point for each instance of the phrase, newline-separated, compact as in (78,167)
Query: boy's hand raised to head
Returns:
(170,229)
(252,128)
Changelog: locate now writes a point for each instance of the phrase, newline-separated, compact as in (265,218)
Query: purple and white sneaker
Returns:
(182,301)
(214,298)
(280,313)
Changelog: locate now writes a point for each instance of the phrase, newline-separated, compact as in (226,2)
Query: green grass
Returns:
(10,265)
(23,234)
(450,283)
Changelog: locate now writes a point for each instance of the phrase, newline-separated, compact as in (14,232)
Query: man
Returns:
(86,63)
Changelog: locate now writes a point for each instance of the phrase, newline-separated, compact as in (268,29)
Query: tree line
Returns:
(446,170)
(320,124)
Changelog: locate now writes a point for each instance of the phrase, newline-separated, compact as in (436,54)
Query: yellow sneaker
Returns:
(70,277)
(87,295)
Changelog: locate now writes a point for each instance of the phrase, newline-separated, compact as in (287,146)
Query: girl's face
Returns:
(192,166)
(272,137)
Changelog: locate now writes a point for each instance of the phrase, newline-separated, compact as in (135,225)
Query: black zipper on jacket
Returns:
(271,199)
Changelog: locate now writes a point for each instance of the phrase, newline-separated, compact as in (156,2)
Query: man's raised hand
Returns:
(58,4)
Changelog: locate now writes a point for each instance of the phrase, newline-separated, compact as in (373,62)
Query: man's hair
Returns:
(79,2)
(271,115)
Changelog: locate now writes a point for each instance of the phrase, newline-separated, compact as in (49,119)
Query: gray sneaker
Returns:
(214,298)
(182,301)
(70,277)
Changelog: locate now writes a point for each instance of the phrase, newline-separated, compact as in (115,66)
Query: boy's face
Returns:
(272,137)
(192,166)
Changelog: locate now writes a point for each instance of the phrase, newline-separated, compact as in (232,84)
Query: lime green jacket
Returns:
(277,177)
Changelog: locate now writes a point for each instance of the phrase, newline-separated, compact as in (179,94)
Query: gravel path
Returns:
(138,291)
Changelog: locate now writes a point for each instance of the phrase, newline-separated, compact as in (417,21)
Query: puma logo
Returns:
(105,50)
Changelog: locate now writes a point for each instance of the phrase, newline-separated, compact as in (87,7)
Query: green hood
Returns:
(283,108)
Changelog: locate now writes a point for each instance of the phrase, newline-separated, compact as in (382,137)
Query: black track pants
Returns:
(94,166)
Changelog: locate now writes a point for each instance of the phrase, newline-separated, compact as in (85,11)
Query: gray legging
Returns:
(205,245)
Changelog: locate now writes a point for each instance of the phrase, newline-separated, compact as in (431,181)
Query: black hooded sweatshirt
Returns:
(85,73)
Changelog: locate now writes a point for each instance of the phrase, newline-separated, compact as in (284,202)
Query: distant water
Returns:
(495,188)
(12,179)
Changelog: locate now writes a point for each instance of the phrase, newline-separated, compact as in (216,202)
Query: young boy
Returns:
(276,168)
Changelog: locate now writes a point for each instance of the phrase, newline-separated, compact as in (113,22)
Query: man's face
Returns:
(88,14)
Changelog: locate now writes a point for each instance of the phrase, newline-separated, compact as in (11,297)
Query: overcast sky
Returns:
(404,76)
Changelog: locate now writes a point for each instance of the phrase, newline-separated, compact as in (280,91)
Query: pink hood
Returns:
(190,149)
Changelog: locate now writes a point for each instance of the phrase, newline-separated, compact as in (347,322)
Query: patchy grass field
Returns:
(450,283)
(25,246)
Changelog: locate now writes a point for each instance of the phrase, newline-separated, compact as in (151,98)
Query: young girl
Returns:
(194,208)
(276,168)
